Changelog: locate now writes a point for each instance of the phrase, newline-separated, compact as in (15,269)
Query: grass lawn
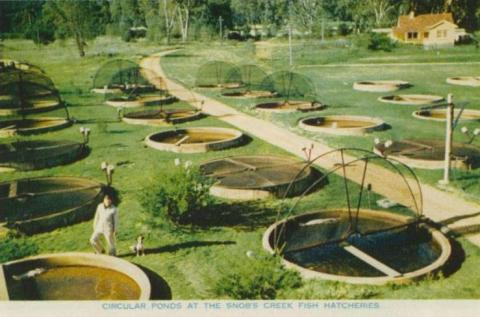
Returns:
(191,261)
(334,88)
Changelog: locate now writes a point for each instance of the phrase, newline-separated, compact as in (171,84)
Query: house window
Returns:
(425,35)
(412,35)
(442,33)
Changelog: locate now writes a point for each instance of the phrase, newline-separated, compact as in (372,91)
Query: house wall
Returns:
(444,35)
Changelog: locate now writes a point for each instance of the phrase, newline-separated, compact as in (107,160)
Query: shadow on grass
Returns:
(241,215)
(160,288)
(456,259)
(92,121)
(181,55)
(250,215)
(179,246)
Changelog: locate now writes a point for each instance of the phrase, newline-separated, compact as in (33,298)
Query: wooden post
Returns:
(448,141)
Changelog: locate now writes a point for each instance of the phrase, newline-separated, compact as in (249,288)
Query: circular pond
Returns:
(384,248)
(218,74)
(221,86)
(32,126)
(472,81)
(441,114)
(73,276)
(256,177)
(430,154)
(342,125)
(140,101)
(290,106)
(32,105)
(42,204)
(249,94)
(194,140)
(107,90)
(380,85)
(161,117)
(411,99)
(13,64)
(32,155)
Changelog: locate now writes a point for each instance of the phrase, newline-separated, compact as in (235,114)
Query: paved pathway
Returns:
(438,205)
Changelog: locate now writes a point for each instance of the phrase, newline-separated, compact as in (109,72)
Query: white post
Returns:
(220,20)
(448,140)
(323,30)
(290,43)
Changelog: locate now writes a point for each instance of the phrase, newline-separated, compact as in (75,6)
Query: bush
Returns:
(16,248)
(380,42)
(177,196)
(329,290)
(257,279)
(375,42)
(127,36)
(344,29)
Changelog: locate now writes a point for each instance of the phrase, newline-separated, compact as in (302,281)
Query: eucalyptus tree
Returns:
(82,20)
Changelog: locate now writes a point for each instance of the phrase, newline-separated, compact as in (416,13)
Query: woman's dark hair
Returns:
(112,193)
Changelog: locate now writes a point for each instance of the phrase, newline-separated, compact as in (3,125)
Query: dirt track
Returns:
(438,205)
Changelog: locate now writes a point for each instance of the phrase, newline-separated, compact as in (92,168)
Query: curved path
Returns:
(440,206)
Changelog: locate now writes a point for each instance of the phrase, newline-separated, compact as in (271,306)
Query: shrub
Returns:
(176,196)
(127,36)
(329,290)
(374,42)
(254,278)
(344,29)
(380,42)
(16,248)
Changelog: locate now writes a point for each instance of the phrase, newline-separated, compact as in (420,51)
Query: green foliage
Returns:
(16,248)
(333,291)
(81,20)
(380,42)
(344,29)
(374,42)
(178,196)
(257,278)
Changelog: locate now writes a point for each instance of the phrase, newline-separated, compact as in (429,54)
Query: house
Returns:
(436,29)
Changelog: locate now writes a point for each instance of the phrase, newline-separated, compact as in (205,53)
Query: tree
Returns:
(169,8)
(26,18)
(186,10)
(306,13)
(465,13)
(381,8)
(81,20)
(183,13)
(124,15)
(246,13)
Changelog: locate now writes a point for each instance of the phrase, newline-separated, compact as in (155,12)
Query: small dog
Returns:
(139,248)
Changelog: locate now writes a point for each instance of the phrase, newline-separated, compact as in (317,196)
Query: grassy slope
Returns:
(189,261)
(334,88)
